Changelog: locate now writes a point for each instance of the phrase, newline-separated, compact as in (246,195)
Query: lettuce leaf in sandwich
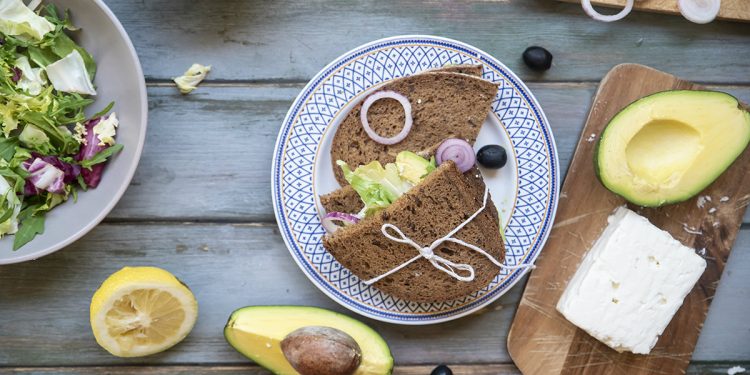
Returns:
(379,186)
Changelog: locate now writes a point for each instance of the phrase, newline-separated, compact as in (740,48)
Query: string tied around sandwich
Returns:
(459,271)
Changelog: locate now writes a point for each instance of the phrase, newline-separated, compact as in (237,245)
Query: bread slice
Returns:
(470,69)
(425,213)
(345,199)
(444,105)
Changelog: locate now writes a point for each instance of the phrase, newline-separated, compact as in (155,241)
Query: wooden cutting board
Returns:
(732,10)
(540,340)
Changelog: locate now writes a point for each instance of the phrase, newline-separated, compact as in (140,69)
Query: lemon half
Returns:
(139,311)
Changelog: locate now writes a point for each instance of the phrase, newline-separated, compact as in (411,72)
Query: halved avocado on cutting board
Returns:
(667,147)
(257,332)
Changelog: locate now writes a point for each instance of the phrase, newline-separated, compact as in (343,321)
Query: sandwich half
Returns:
(429,210)
(450,102)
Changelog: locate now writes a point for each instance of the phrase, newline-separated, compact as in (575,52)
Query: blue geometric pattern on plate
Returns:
(332,89)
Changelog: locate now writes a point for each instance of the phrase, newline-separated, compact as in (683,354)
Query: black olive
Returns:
(442,370)
(537,58)
(492,156)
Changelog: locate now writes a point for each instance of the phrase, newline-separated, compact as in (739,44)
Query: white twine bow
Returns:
(427,252)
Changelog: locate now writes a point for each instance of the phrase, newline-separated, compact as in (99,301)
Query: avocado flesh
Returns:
(257,332)
(413,167)
(669,146)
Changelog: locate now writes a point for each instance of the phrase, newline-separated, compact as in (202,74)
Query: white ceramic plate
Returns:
(525,191)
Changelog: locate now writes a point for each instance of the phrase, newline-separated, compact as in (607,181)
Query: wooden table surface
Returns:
(200,202)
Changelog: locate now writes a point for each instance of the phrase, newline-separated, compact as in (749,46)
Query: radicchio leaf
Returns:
(48,173)
(91,147)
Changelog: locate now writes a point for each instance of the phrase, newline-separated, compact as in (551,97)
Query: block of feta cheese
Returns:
(630,284)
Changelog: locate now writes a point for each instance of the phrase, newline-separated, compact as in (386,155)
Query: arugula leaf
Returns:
(8,148)
(104,111)
(30,226)
(6,214)
(70,189)
(101,156)
(81,182)
(42,56)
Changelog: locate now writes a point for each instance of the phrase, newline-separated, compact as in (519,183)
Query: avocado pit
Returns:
(316,350)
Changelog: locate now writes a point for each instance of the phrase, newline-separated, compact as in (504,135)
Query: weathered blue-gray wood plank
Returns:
(44,303)
(207,160)
(492,369)
(292,40)
(208,154)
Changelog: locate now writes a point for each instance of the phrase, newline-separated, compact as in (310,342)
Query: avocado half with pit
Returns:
(258,332)
(667,147)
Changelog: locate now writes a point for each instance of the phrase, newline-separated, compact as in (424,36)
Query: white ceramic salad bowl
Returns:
(119,79)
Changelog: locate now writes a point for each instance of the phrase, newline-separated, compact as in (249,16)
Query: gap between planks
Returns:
(189,221)
(219,221)
(249,369)
(478,369)
(291,83)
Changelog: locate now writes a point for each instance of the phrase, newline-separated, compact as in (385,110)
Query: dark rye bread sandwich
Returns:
(425,213)
(450,102)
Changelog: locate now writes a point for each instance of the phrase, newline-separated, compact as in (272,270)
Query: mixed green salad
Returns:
(49,148)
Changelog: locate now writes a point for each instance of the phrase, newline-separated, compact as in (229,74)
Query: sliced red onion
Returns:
(330,218)
(699,11)
(589,9)
(407,114)
(457,150)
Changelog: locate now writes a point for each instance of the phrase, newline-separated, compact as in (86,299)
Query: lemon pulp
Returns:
(142,310)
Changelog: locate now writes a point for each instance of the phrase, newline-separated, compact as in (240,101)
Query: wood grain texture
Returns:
(229,266)
(486,369)
(731,10)
(541,340)
(490,369)
(288,40)
(216,144)
(199,204)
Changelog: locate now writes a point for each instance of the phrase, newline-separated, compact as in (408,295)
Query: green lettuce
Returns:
(379,186)
(17,19)
(192,77)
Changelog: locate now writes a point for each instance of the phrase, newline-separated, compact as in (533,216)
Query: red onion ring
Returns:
(329,218)
(589,9)
(457,150)
(407,113)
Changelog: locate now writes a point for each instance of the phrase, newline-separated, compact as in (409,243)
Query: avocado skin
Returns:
(677,199)
(301,310)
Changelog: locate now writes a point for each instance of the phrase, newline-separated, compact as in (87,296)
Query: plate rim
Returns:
(439,317)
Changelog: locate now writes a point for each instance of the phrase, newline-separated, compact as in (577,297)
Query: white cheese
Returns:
(630,284)
(106,129)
